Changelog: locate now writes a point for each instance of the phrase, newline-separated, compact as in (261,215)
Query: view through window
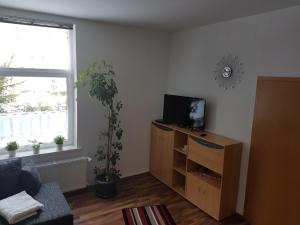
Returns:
(36,85)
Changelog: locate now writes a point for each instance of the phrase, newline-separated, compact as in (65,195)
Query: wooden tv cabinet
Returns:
(206,172)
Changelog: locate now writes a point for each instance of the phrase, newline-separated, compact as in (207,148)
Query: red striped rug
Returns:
(148,215)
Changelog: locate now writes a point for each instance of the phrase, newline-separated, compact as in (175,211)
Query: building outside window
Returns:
(36,84)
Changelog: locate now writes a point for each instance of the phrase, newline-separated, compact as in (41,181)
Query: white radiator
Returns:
(70,174)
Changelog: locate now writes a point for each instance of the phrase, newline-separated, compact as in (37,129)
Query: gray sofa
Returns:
(56,210)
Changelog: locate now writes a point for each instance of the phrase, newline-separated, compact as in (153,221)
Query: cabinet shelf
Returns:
(214,181)
(204,174)
(179,182)
(180,169)
(179,189)
(180,140)
(180,151)
(179,160)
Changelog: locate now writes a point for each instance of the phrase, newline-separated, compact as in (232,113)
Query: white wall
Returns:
(140,57)
(268,44)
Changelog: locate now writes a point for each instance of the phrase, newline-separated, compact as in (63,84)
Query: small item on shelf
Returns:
(11,148)
(209,174)
(59,141)
(36,145)
(185,148)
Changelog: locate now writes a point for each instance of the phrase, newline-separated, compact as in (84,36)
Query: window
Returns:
(36,84)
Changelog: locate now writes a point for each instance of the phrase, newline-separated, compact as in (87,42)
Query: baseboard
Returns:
(135,173)
(92,186)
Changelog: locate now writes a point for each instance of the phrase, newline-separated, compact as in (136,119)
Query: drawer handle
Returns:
(207,143)
(162,127)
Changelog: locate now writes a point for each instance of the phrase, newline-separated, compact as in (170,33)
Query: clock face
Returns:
(228,72)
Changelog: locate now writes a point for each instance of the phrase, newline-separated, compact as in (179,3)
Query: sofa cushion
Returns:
(30,180)
(9,176)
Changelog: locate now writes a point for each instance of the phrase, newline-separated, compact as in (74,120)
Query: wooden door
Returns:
(167,138)
(155,152)
(204,195)
(161,155)
(273,188)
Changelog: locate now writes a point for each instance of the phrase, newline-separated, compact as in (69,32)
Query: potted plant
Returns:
(36,145)
(102,86)
(59,141)
(12,147)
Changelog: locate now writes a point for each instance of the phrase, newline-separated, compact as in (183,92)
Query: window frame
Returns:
(70,75)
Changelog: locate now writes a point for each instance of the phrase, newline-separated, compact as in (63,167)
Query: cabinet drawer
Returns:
(207,154)
(203,195)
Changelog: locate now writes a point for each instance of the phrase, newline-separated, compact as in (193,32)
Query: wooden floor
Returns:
(135,191)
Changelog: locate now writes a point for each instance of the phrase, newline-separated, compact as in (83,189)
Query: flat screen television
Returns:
(184,111)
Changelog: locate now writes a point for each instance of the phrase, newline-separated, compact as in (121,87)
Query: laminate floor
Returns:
(136,191)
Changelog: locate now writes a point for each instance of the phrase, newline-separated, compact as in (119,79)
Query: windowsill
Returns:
(43,152)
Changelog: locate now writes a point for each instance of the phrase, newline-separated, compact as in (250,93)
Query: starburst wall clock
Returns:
(229,72)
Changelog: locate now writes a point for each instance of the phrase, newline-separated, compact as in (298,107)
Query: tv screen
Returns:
(184,111)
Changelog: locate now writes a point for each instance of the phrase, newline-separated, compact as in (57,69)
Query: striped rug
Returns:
(148,215)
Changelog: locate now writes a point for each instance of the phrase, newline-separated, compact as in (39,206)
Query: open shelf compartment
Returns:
(179,182)
(180,142)
(179,163)
(204,174)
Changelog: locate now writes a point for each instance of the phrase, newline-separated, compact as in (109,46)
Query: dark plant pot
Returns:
(106,189)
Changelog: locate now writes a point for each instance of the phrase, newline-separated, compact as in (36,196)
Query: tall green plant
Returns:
(102,86)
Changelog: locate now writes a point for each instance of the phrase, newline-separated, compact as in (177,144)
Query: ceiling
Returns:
(168,15)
